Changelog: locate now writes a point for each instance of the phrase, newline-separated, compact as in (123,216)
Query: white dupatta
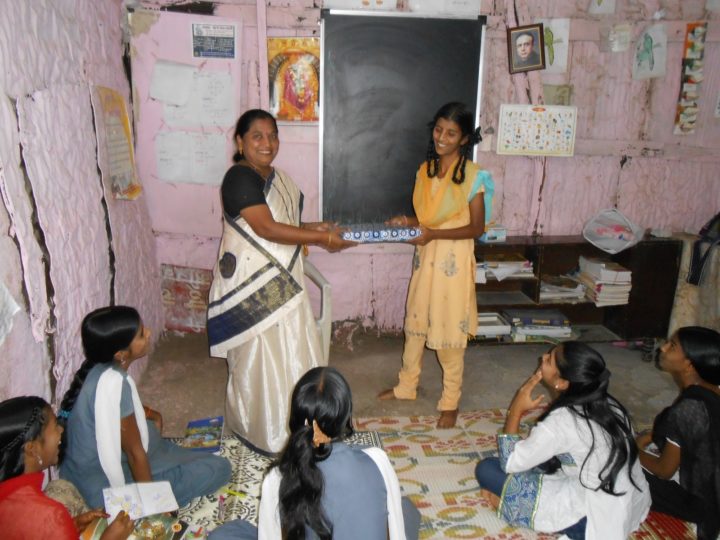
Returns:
(107,423)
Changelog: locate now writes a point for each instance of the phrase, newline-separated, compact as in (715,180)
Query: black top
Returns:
(691,422)
(242,187)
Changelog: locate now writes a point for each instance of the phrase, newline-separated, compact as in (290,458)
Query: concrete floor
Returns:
(184,383)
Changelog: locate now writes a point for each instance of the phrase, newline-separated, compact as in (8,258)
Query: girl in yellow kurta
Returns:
(441,304)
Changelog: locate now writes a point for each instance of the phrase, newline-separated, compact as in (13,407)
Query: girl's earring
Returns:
(39,460)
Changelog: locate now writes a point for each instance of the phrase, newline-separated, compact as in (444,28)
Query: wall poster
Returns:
(692,75)
(115,147)
(294,77)
(533,130)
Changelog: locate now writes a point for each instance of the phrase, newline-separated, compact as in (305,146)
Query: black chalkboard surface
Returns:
(383,79)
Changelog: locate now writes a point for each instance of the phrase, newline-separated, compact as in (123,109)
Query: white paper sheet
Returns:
(650,53)
(210,103)
(187,157)
(557,36)
(171,82)
(140,500)
(8,309)
(601,7)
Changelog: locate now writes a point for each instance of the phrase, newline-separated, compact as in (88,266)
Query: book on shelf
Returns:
(480,276)
(536,317)
(543,330)
(604,270)
(595,284)
(560,287)
(492,324)
(204,434)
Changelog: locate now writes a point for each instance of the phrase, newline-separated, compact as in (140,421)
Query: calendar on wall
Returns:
(536,130)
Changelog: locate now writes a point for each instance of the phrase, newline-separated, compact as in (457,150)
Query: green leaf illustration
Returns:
(549,40)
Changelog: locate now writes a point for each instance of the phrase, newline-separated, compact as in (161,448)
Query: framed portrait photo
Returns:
(526,48)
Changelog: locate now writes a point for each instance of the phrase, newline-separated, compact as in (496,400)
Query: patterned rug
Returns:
(248,471)
(436,469)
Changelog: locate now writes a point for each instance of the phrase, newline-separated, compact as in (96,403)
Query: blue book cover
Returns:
(204,435)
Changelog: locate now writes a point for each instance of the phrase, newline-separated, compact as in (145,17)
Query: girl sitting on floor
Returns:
(108,440)
(577,472)
(29,444)
(321,487)
(687,434)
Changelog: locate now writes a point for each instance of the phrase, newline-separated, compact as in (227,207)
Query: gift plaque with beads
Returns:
(378,232)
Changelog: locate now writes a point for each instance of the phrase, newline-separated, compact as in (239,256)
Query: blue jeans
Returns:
(492,478)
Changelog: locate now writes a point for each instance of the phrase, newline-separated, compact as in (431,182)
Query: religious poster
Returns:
(533,130)
(116,160)
(294,76)
(692,75)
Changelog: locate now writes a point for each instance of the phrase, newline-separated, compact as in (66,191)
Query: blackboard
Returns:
(383,79)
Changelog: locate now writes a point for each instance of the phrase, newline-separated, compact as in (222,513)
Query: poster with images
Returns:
(692,75)
(650,53)
(294,78)
(532,130)
(116,160)
(557,36)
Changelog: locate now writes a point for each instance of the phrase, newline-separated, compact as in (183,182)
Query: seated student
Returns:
(321,487)
(108,441)
(687,434)
(589,483)
(29,444)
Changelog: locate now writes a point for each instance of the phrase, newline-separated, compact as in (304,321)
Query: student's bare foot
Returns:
(447,419)
(492,499)
(387,395)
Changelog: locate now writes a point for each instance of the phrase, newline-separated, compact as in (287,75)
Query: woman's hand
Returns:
(335,242)
(523,400)
(321,226)
(398,221)
(121,528)
(643,439)
(83,520)
(155,416)
(426,236)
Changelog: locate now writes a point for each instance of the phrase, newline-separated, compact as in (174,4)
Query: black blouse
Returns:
(241,188)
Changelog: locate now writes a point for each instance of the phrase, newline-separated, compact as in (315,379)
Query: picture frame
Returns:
(294,77)
(529,54)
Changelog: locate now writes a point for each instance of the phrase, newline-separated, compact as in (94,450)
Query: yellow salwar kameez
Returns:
(441,306)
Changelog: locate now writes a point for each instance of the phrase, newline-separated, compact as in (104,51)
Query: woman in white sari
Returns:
(259,314)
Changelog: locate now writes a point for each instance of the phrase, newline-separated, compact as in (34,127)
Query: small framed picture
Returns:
(526,48)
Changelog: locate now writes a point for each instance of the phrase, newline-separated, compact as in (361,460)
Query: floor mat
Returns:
(436,469)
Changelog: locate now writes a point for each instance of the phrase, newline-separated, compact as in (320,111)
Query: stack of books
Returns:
(504,265)
(606,282)
(530,324)
(491,325)
(562,288)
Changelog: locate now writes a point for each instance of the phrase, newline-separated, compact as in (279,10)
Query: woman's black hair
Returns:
(105,332)
(321,395)
(587,397)
(702,347)
(244,123)
(22,420)
(455,112)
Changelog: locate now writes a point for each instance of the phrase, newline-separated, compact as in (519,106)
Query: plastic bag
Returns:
(612,232)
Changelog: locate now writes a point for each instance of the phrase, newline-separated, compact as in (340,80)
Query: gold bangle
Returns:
(329,242)
(406,220)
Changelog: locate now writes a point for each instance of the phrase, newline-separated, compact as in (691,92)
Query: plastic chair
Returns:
(324,322)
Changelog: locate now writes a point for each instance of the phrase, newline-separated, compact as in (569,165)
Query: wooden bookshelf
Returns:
(654,262)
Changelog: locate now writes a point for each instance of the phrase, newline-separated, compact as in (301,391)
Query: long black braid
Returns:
(455,112)
(21,420)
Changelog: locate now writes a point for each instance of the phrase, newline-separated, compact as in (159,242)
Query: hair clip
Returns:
(62,413)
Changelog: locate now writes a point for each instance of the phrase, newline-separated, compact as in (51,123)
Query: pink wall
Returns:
(58,223)
(626,155)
